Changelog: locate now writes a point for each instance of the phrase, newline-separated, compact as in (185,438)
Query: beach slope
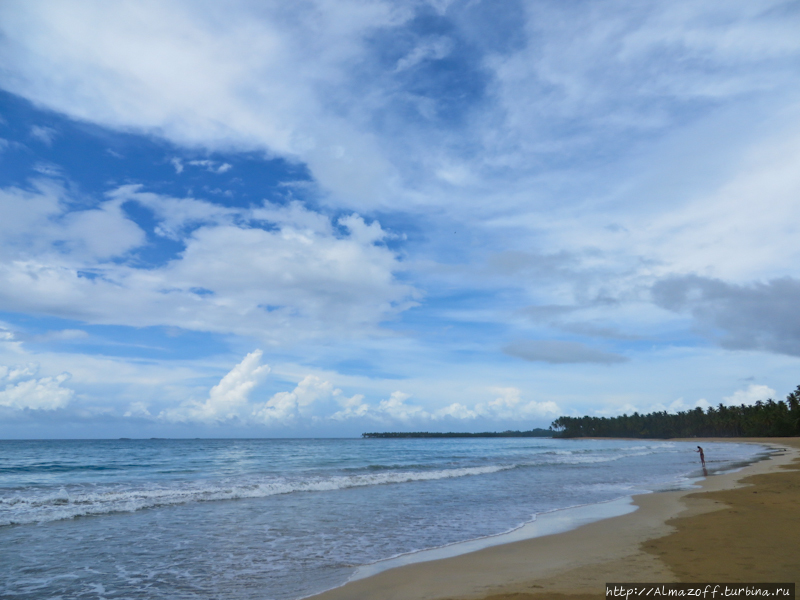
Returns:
(739,527)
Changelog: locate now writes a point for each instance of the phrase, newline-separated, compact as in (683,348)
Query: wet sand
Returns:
(739,527)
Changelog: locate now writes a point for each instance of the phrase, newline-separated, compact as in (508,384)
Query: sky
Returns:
(326,217)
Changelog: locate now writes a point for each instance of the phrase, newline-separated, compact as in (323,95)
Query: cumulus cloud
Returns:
(312,399)
(747,396)
(24,391)
(352,408)
(750,395)
(229,399)
(760,316)
(289,407)
(137,409)
(40,223)
(316,401)
(177,215)
(560,352)
(509,405)
(396,408)
(280,272)
(21,371)
(680,405)
(674,407)
(457,411)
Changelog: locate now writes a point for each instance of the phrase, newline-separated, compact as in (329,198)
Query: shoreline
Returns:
(553,522)
(573,561)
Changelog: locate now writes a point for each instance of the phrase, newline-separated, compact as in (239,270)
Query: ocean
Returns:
(282,519)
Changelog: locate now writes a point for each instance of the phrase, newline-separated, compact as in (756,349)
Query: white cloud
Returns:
(40,223)
(253,77)
(395,407)
(22,371)
(432,49)
(680,405)
(456,410)
(352,408)
(674,407)
(44,134)
(509,405)
(316,401)
(746,396)
(137,409)
(212,166)
(229,399)
(297,405)
(750,395)
(757,201)
(24,391)
(174,215)
(624,409)
(398,410)
(300,280)
(628,55)
(249,78)
(306,82)
(313,399)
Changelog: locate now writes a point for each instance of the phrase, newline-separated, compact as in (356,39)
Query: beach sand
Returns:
(738,527)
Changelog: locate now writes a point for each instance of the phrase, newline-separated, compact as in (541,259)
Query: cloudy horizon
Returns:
(324,218)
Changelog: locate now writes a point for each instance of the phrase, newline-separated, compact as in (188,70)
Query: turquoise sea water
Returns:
(282,519)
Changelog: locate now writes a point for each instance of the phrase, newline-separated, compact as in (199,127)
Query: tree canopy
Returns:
(762,419)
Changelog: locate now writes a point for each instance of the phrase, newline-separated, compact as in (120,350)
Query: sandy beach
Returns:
(738,527)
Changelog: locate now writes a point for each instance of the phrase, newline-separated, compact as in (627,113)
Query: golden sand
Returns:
(753,536)
(740,527)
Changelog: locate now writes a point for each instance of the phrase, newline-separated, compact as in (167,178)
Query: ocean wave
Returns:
(47,468)
(56,505)
(590,456)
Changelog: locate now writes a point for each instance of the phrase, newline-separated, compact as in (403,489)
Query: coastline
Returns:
(658,542)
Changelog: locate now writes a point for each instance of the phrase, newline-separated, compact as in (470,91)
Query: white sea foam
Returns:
(591,456)
(64,503)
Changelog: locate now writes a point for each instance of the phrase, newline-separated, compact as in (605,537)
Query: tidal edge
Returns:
(714,532)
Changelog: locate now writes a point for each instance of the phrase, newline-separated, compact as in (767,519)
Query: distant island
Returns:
(538,432)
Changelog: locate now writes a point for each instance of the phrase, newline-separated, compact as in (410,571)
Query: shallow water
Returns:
(283,519)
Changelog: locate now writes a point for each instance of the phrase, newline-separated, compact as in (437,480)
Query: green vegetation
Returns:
(485,434)
(763,419)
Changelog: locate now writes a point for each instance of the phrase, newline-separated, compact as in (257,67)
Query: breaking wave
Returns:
(67,503)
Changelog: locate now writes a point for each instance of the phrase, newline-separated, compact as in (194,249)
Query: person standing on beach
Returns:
(702,456)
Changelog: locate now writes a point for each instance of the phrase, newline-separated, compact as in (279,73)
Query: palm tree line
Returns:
(762,419)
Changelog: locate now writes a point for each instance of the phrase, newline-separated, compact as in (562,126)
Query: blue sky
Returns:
(322,218)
